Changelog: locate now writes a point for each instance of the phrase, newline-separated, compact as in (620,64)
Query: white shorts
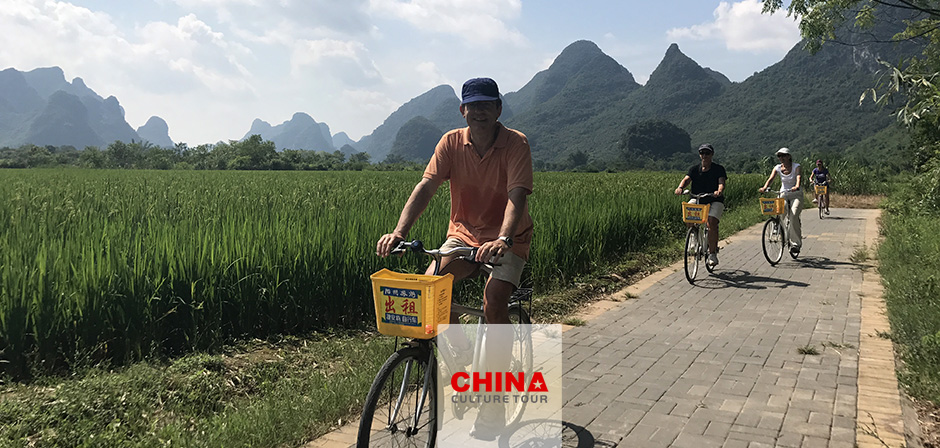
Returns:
(508,268)
(716,209)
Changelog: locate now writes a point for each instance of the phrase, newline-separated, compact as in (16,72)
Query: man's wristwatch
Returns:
(506,240)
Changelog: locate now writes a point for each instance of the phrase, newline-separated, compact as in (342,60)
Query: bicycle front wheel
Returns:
(522,356)
(704,249)
(692,251)
(820,203)
(401,408)
(772,241)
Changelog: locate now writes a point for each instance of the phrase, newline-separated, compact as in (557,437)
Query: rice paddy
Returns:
(120,266)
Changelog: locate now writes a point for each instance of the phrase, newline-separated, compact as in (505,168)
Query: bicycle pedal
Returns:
(459,410)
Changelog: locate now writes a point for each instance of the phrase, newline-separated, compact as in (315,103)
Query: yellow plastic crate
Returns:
(411,305)
(821,189)
(695,213)
(772,206)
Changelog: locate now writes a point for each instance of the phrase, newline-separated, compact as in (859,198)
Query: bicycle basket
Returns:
(821,189)
(411,305)
(772,206)
(694,213)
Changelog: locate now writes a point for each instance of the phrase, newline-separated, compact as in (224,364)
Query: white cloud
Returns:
(215,3)
(347,61)
(91,45)
(286,21)
(371,100)
(54,28)
(743,28)
(476,21)
(193,48)
(428,74)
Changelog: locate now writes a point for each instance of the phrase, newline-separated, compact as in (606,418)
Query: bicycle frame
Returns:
(426,354)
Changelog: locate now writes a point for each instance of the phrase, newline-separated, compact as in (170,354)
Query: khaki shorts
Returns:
(508,269)
(716,209)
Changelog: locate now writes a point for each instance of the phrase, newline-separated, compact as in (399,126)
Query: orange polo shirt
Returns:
(479,186)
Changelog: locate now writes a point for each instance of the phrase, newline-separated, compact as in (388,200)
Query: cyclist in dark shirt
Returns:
(821,177)
(708,177)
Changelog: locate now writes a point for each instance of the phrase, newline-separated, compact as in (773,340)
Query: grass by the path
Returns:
(910,267)
(278,393)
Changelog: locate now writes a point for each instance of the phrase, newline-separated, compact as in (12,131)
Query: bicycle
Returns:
(696,238)
(821,191)
(401,408)
(776,236)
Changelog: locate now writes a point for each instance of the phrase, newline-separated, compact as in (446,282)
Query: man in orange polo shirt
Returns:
(489,167)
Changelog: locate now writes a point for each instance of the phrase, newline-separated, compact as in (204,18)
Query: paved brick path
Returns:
(717,364)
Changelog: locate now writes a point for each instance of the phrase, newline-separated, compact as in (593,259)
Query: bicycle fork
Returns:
(413,429)
(424,394)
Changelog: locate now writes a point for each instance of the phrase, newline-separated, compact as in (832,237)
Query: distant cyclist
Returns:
(790,179)
(821,177)
(708,177)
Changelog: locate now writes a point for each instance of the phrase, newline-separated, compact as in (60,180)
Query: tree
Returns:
(92,157)
(254,153)
(120,155)
(198,157)
(358,161)
(37,156)
(66,155)
(161,158)
(578,159)
(219,156)
(912,83)
(913,78)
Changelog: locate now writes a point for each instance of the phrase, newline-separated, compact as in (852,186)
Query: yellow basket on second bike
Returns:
(411,305)
(821,189)
(772,206)
(694,213)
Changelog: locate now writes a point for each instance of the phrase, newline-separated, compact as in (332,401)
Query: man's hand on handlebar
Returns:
(491,251)
(386,243)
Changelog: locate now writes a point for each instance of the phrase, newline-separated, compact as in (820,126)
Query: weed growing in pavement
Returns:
(860,255)
(807,350)
(575,322)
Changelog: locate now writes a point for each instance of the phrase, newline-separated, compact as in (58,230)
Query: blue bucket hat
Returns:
(479,89)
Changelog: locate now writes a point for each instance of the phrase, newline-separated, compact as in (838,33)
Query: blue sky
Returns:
(210,67)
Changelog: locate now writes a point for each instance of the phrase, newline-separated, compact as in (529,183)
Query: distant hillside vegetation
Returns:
(585,103)
(415,141)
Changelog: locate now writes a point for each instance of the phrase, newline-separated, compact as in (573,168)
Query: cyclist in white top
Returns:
(790,181)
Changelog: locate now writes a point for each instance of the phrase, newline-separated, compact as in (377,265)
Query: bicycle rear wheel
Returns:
(692,254)
(401,408)
(772,241)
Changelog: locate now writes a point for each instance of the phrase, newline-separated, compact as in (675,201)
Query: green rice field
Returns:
(120,266)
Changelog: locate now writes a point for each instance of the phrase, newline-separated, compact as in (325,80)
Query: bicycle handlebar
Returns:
(463,253)
(418,247)
(698,195)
